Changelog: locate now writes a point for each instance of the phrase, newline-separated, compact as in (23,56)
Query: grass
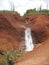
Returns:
(8,11)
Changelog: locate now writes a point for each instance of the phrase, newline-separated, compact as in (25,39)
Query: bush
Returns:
(31,11)
(9,57)
(44,11)
(34,11)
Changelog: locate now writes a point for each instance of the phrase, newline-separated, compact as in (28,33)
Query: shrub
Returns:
(9,57)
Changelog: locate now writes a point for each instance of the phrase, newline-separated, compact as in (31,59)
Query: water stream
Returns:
(28,40)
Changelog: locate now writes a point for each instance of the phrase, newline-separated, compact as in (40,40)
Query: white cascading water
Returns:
(28,40)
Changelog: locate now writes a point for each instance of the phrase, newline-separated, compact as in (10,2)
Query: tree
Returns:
(47,6)
(40,8)
(12,6)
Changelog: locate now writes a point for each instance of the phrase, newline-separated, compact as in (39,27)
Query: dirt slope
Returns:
(40,32)
(40,26)
(10,31)
(39,56)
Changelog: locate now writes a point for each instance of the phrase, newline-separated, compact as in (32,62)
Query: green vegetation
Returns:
(34,11)
(29,11)
(9,57)
(44,11)
(12,12)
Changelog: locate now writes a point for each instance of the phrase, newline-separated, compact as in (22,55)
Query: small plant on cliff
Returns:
(9,57)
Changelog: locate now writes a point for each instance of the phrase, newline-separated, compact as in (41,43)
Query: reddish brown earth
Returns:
(12,32)
(39,56)
(39,25)
(40,32)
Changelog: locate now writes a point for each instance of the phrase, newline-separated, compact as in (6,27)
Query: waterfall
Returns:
(28,40)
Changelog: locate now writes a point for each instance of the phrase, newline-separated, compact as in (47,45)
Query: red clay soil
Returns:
(12,31)
(39,56)
(40,32)
(40,26)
